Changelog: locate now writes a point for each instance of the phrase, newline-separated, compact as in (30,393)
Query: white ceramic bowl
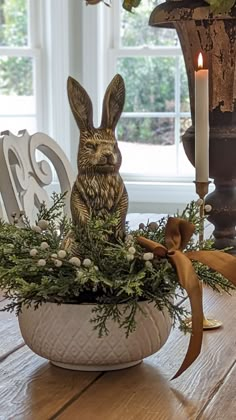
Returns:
(64,335)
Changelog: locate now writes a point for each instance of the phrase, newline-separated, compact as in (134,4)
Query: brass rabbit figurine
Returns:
(99,189)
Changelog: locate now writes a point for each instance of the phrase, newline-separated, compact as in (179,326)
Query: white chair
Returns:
(26,177)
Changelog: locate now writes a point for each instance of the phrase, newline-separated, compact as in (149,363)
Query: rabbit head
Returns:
(98,148)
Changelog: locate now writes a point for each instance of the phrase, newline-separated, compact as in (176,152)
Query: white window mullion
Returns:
(96,29)
(147,52)
(35,42)
(56,70)
(18,51)
(90,54)
(149,114)
(34,9)
(38,91)
(112,64)
(116,41)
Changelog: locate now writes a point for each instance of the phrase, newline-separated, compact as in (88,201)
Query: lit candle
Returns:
(201,122)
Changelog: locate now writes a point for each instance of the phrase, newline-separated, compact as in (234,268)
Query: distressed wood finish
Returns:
(146,393)
(219,409)
(10,337)
(31,388)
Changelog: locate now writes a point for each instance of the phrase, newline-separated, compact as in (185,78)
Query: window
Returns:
(34,66)
(19,67)
(42,42)
(157,110)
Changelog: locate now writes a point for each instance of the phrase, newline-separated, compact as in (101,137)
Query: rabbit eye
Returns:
(91,146)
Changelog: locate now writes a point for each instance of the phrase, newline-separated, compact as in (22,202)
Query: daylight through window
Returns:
(157,110)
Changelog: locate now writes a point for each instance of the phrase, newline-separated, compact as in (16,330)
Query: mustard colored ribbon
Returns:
(177,235)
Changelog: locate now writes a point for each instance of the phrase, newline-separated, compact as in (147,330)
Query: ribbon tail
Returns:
(189,281)
(219,261)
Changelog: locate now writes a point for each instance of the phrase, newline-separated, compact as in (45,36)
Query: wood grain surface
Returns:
(10,336)
(145,392)
(32,389)
(223,404)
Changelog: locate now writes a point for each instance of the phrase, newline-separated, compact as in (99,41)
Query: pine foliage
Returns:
(35,269)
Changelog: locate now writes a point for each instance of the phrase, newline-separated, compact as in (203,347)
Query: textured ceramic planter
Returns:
(64,335)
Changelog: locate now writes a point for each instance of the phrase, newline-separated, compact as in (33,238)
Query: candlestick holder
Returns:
(202,191)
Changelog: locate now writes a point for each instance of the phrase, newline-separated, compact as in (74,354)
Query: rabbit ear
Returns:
(113,102)
(80,104)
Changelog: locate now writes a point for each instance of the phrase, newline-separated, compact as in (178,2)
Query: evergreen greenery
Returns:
(221,6)
(35,269)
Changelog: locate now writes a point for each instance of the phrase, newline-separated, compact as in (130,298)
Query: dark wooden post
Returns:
(214,35)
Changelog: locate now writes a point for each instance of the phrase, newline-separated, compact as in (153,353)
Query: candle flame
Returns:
(200,61)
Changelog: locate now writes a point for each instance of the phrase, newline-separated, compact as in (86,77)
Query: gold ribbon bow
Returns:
(177,234)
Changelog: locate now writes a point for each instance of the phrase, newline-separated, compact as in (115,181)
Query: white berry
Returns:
(41,263)
(208,208)
(36,229)
(130,257)
(148,256)
(57,263)
(87,262)
(44,245)
(61,254)
(33,252)
(75,261)
(199,202)
(43,224)
(132,250)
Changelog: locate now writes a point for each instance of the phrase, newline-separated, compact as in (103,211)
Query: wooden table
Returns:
(31,388)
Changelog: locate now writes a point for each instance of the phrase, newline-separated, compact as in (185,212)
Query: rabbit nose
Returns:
(108,158)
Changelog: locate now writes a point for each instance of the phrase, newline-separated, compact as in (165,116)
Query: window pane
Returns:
(17,105)
(184,92)
(17,100)
(136,32)
(17,113)
(13,23)
(146,130)
(185,168)
(148,160)
(15,124)
(149,83)
(16,76)
(148,147)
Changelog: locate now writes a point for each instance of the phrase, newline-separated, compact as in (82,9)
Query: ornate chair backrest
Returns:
(26,177)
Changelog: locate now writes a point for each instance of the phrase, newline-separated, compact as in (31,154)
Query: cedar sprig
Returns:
(107,273)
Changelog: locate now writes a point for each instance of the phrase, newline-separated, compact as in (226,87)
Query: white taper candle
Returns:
(201,123)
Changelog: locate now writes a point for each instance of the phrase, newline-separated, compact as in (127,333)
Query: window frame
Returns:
(116,50)
(96,71)
(78,40)
(31,50)
(49,49)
